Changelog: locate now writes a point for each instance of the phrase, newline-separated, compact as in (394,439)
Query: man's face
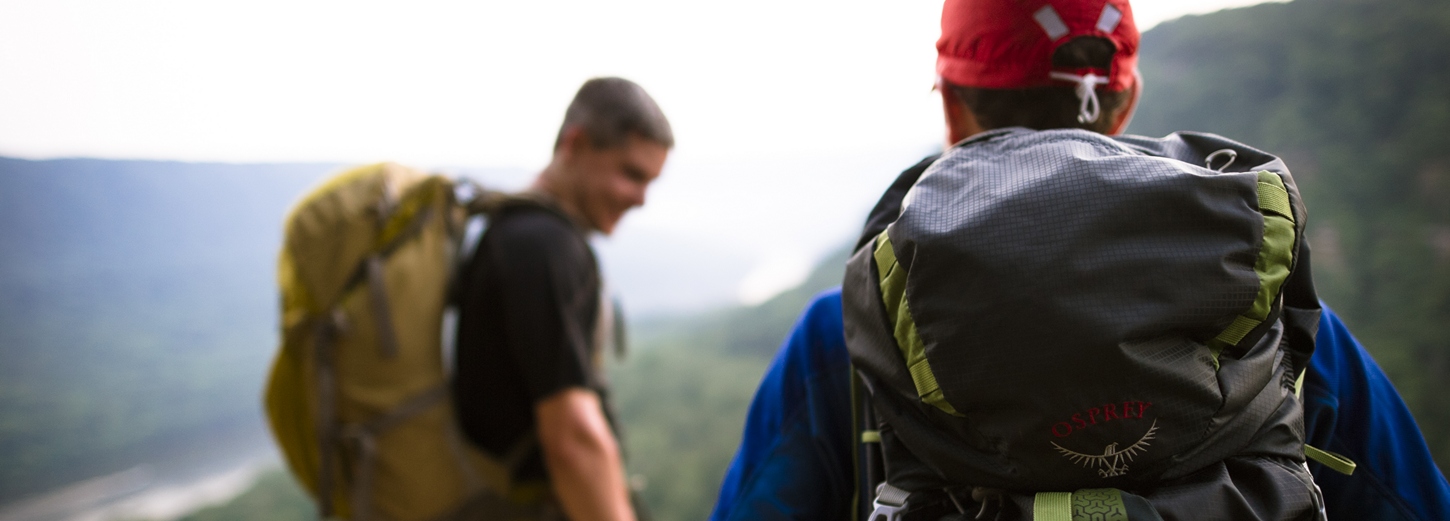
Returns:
(613,180)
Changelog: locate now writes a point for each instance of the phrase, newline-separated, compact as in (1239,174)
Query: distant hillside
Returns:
(1355,95)
(747,330)
(138,307)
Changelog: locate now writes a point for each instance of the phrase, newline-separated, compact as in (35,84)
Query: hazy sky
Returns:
(790,115)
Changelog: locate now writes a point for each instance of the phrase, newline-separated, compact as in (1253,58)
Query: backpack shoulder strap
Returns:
(888,208)
(477,200)
(866,451)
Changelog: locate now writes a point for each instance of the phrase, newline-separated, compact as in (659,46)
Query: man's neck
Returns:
(555,185)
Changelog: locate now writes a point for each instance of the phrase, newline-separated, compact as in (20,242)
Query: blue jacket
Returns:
(794,460)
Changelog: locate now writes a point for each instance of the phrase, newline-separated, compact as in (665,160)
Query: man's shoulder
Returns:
(824,309)
(533,239)
(532,227)
(819,338)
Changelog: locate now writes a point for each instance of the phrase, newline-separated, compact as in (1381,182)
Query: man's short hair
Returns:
(1051,107)
(609,110)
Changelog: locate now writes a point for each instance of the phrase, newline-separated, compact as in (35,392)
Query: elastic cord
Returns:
(1087,93)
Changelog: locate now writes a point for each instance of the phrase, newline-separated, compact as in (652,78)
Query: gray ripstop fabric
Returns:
(1065,287)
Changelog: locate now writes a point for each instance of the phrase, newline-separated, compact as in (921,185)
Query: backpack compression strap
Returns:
(1106,504)
(893,297)
(1275,260)
(1336,462)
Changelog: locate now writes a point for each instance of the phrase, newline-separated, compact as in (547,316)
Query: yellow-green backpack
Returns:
(358,397)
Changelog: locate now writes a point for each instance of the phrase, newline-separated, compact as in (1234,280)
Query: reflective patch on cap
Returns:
(1051,23)
(1108,21)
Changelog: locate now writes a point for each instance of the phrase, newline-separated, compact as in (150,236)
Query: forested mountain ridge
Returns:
(1355,96)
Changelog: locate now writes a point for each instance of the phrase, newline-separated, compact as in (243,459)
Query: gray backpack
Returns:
(1063,325)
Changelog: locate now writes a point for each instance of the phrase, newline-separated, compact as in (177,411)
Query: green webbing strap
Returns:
(1335,462)
(1052,506)
(1276,256)
(870,436)
(1299,384)
(893,295)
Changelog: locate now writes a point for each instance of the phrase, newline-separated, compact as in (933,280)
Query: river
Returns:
(189,476)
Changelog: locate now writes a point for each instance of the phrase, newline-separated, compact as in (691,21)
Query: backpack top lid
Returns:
(1056,310)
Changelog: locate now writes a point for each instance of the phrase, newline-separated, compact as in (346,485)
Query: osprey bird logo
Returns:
(1114,462)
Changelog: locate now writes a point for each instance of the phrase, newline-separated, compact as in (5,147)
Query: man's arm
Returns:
(582,456)
(794,460)
(1351,408)
(548,279)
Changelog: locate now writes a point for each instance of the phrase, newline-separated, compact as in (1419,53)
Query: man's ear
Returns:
(571,141)
(1124,116)
(961,122)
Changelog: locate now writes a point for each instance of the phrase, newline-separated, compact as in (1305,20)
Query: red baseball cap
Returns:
(1008,44)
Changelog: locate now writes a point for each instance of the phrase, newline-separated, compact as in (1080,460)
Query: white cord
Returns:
(1089,110)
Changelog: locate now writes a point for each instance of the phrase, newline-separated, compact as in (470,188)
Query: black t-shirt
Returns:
(527,308)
